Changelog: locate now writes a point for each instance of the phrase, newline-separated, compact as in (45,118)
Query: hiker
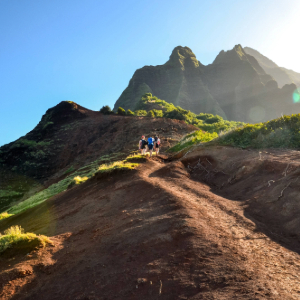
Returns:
(150,145)
(142,145)
(156,144)
(146,146)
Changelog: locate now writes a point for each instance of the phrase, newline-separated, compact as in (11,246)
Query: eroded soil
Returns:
(207,226)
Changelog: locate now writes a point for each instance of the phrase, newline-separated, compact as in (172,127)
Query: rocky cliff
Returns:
(234,86)
(179,81)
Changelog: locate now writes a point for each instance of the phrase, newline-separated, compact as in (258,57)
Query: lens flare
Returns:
(296,96)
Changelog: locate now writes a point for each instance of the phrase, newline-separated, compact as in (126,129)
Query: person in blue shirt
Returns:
(150,145)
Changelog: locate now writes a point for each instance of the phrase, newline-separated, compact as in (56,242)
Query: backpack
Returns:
(143,143)
(150,141)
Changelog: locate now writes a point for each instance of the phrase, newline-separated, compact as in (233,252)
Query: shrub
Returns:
(140,113)
(157,113)
(106,110)
(15,237)
(121,111)
(150,114)
(130,113)
(178,114)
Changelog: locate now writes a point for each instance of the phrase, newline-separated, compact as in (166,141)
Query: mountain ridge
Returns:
(179,80)
(281,75)
(235,86)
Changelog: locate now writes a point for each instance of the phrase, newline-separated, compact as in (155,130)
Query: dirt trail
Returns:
(162,232)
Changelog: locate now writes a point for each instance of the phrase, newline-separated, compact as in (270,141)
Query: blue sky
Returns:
(87,51)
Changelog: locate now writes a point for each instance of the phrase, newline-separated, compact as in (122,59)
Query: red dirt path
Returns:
(163,231)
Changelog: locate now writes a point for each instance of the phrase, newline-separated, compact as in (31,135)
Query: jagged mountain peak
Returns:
(179,52)
(183,57)
(235,54)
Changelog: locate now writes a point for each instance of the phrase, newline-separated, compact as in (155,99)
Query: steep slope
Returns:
(69,137)
(281,75)
(234,86)
(244,90)
(179,81)
(203,227)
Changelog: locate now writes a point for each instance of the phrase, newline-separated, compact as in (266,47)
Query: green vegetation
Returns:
(4,215)
(9,194)
(69,126)
(14,237)
(70,170)
(106,110)
(24,143)
(150,114)
(153,107)
(118,165)
(48,124)
(130,113)
(159,108)
(140,112)
(77,177)
(137,157)
(193,139)
(283,132)
(121,111)
(39,154)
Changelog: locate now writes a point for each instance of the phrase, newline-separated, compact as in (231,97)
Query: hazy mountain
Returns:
(281,75)
(234,79)
(234,86)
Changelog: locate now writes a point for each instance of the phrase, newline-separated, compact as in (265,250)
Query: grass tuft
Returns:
(118,165)
(14,237)
(79,179)
(5,215)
